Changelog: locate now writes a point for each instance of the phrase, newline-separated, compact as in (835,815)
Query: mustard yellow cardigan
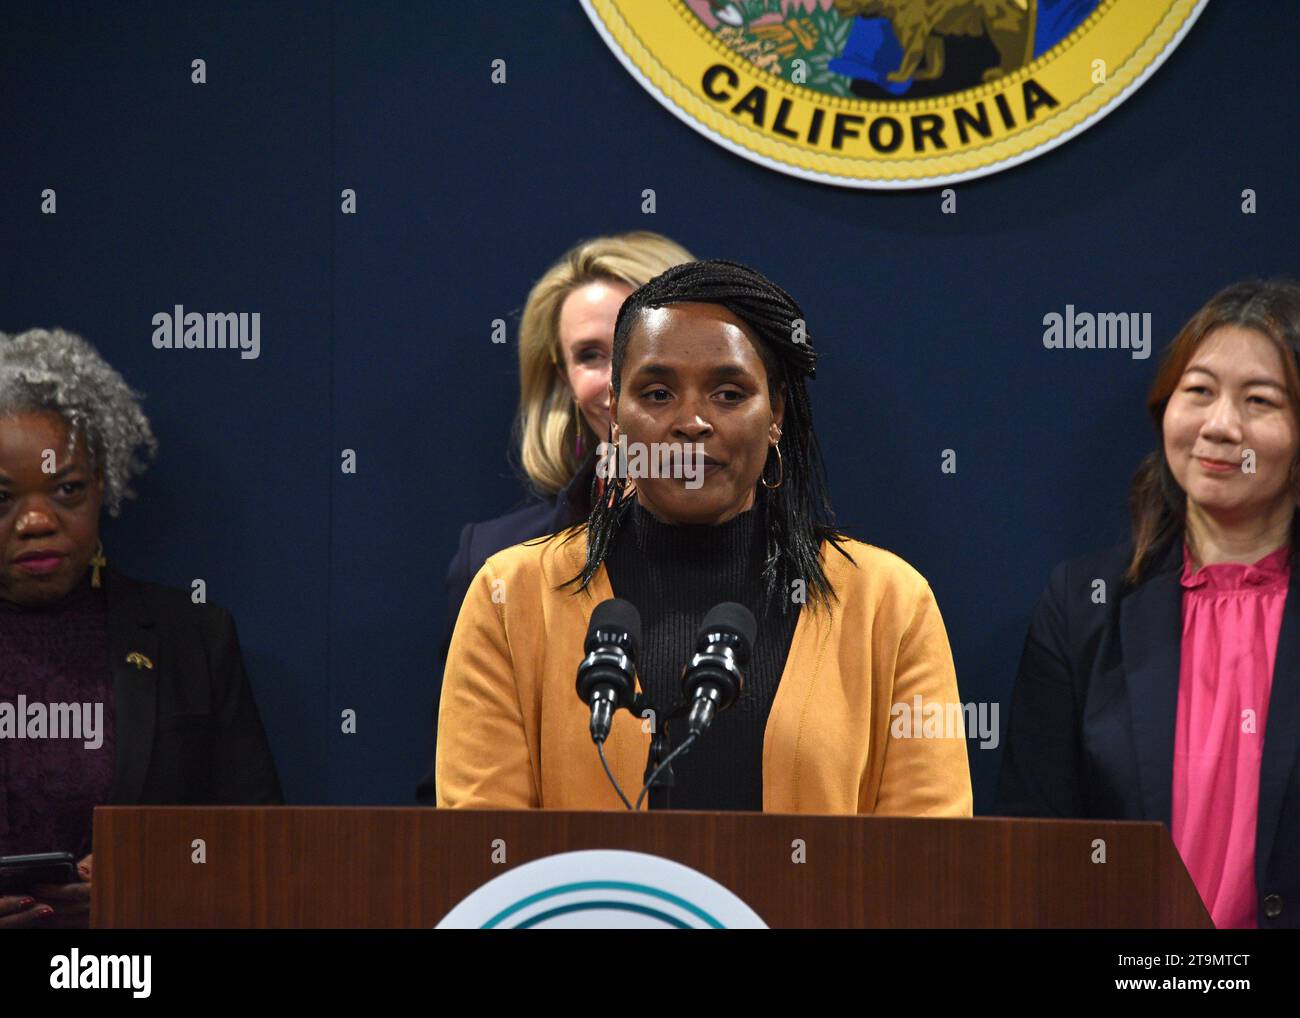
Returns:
(512,732)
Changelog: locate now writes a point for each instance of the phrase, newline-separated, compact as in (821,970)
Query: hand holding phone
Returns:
(50,890)
(20,872)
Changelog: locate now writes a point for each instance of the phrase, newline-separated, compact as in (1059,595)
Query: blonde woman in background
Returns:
(566,338)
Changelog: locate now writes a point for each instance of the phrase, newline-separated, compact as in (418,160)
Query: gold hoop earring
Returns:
(781,477)
(97,562)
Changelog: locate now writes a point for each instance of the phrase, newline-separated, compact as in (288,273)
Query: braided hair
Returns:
(797,515)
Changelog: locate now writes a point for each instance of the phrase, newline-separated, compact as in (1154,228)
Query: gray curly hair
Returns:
(60,371)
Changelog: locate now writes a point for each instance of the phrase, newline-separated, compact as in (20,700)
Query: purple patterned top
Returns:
(50,778)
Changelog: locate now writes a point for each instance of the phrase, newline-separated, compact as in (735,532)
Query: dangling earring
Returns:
(616,486)
(577,431)
(781,477)
(97,562)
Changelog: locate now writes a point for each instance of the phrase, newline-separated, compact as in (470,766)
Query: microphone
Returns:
(714,676)
(607,675)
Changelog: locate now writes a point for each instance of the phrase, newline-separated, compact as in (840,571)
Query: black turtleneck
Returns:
(674,575)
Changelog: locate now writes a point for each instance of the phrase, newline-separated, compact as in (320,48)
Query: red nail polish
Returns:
(26,903)
(44,912)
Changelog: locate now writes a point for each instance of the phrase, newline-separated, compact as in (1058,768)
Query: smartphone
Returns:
(20,872)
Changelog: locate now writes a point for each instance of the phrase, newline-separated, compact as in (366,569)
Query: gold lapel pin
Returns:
(138,659)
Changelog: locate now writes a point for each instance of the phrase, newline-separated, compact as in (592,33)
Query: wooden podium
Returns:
(314,867)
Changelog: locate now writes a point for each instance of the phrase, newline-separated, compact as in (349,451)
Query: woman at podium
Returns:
(112,690)
(1160,679)
(711,360)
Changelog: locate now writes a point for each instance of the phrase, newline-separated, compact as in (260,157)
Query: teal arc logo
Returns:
(667,918)
(602,889)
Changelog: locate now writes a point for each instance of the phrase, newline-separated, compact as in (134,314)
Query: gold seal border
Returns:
(1075,114)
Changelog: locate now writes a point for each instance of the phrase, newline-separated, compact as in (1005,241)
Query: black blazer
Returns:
(187,730)
(478,543)
(1091,732)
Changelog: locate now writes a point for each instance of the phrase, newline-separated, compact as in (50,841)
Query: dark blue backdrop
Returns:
(376,327)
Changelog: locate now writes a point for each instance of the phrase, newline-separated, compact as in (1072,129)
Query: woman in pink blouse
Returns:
(1161,680)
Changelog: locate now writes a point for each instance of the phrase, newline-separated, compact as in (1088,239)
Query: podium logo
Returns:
(891,93)
(102,972)
(602,889)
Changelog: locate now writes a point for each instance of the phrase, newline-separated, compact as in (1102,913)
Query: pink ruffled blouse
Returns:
(1232,614)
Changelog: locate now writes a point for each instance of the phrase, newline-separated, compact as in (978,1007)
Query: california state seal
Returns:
(891,93)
